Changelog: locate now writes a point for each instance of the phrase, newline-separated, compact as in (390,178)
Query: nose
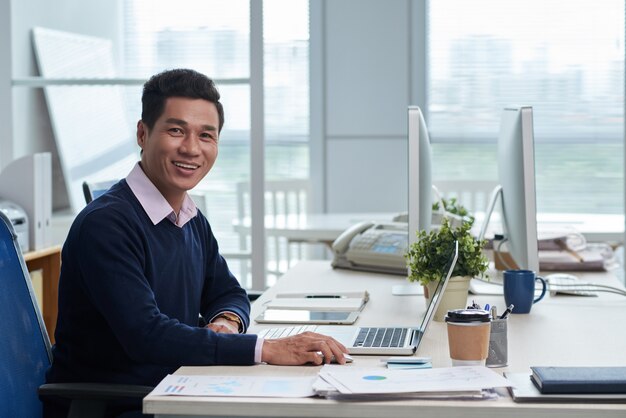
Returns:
(190,145)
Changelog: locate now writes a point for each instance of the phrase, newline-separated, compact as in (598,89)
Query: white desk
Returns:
(322,227)
(559,331)
(327,227)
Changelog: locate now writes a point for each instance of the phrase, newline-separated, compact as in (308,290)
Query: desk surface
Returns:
(559,331)
(327,227)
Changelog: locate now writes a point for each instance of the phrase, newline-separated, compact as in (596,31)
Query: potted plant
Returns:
(428,257)
(451,209)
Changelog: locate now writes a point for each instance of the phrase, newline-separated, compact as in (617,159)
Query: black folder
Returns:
(572,380)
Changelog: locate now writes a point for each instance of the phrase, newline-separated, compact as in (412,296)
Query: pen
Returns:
(324,296)
(474,305)
(508,310)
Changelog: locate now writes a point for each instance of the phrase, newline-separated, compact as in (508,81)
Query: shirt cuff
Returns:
(258,350)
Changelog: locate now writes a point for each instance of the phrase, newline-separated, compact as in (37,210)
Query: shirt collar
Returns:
(156,206)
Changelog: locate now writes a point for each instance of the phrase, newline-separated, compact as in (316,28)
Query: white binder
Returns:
(27,181)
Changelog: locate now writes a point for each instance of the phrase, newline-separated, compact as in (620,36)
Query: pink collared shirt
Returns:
(157,208)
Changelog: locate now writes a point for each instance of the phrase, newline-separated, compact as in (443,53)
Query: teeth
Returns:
(182,165)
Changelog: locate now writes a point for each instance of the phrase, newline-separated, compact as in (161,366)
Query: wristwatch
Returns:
(231,317)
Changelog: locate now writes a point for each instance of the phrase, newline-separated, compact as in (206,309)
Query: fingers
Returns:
(304,348)
(328,340)
(330,349)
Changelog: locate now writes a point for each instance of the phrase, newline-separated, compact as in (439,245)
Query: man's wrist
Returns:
(229,316)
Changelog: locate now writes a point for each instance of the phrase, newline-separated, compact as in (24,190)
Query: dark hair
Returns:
(180,82)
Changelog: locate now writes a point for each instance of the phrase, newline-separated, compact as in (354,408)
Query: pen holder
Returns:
(498,344)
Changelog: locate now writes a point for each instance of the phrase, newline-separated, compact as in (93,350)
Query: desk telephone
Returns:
(370,246)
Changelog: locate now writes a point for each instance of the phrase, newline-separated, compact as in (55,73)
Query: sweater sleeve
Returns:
(222,292)
(112,266)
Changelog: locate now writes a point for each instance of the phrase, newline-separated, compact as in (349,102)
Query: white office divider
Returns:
(27,181)
(93,135)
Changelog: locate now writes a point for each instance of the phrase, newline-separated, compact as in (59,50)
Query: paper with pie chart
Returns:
(260,386)
(355,380)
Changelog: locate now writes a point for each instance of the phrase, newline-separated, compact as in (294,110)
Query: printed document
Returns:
(252,386)
(358,380)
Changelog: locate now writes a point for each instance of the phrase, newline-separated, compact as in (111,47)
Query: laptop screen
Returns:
(436,297)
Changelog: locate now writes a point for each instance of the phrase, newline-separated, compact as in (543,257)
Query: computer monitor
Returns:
(420,174)
(516,171)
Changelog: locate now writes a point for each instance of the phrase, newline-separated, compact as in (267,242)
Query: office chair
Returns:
(25,348)
(93,190)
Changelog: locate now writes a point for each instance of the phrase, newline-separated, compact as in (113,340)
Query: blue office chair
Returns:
(93,190)
(25,348)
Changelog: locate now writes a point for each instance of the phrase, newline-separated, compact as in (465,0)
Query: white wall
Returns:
(360,99)
(31,123)
(6,120)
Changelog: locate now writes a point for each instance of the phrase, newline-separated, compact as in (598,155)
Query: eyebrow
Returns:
(184,123)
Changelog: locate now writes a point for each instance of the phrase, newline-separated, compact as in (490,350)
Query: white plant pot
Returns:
(455,296)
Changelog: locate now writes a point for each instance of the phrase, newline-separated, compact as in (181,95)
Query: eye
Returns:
(175,131)
(207,137)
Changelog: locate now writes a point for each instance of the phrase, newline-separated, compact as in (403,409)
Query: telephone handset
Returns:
(375,247)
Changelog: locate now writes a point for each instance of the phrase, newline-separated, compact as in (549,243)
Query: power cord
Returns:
(501,259)
(590,287)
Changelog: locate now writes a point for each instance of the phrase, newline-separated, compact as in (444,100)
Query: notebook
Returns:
(523,390)
(377,340)
(576,380)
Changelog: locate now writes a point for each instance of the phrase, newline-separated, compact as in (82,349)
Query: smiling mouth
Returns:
(187,166)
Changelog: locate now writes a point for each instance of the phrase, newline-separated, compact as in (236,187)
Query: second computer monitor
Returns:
(420,175)
(516,170)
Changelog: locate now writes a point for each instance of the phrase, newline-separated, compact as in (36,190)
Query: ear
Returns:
(142,133)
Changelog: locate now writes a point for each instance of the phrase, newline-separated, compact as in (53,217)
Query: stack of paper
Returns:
(254,386)
(583,260)
(475,382)
(349,301)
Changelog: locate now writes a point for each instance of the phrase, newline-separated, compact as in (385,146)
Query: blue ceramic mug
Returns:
(519,289)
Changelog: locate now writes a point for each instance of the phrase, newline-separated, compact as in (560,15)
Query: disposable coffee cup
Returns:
(468,336)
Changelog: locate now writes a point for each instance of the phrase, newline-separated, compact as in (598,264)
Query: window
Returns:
(213,37)
(566,59)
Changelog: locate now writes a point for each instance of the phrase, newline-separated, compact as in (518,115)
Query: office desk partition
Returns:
(560,331)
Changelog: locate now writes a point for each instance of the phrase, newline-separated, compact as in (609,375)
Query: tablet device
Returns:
(300,316)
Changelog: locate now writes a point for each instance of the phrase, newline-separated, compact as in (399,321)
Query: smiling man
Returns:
(143,289)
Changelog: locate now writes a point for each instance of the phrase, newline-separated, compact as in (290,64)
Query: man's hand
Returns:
(224,326)
(307,347)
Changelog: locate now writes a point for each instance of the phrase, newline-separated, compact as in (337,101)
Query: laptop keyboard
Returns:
(368,337)
(381,337)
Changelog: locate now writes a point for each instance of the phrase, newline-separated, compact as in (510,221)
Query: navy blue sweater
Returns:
(130,293)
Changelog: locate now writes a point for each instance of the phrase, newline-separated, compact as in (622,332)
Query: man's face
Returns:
(181,148)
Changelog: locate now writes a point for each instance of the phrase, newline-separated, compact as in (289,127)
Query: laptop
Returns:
(376,340)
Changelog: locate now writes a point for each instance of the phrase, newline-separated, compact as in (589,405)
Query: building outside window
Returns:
(214,38)
(566,59)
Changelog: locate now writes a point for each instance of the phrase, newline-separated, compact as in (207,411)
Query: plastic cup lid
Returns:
(468,315)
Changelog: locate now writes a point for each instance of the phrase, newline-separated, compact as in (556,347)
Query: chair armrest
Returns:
(93,391)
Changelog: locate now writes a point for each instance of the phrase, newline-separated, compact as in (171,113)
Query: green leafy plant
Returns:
(428,257)
(452,206)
